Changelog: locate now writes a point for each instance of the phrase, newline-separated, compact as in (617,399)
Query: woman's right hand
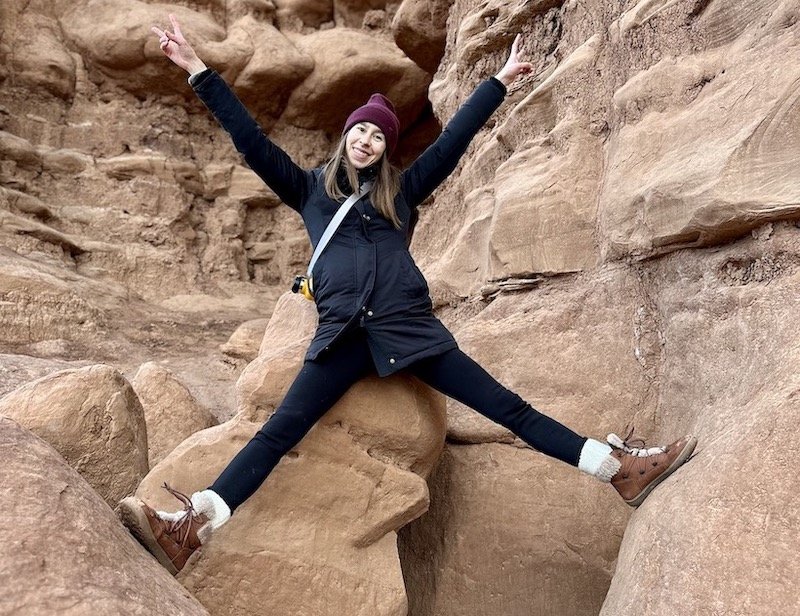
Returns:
(177,49)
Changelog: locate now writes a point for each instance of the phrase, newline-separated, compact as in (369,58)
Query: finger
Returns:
(173,38)
(158,31)
(175,25)
(523,68)
(515,45)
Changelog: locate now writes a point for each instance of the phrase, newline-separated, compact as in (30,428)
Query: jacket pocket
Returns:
(415,284)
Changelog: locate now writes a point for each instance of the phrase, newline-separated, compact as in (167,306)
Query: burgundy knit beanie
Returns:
(380,111)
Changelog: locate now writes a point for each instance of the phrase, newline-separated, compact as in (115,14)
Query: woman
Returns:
(375,314)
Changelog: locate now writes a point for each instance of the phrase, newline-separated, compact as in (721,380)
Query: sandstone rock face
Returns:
(246,340)
(495,542)
(488,491)
(349,66)
(744,179)
(619,244)
(745,416)
(420,28)
(41,60)
(94,419)
(62,550)
(669,134)
(170,411)
(330,510)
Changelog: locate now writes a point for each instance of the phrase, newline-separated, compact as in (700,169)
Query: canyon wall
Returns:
(620,245)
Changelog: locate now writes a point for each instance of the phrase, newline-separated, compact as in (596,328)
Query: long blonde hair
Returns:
(384,190)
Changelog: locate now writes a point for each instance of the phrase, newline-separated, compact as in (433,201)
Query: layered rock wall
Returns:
(637,186)
(620,245)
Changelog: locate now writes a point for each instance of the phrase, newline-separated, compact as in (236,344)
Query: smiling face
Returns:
(365,144)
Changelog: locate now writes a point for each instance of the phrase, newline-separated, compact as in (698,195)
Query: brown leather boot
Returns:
(171,542)
(642,469)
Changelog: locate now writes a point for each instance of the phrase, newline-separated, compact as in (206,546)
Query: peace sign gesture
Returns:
(513,67)
(177,49)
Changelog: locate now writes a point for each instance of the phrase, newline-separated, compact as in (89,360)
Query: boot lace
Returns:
(633,446)
(182,526)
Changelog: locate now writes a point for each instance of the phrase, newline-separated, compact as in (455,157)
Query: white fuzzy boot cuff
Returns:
(596,460)
(211,504)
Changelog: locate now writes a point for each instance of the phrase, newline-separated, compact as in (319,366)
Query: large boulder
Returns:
(62,549)
(276,66)
(93,419)
(420,29)
(265,381)
(544,346)
(41,60)
(246,340)
(114,38)
(330,510)
(349,66)
(171,412)
(498,540)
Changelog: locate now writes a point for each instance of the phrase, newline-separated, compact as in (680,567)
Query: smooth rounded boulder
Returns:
(93,419)
(328,515)
(62,549)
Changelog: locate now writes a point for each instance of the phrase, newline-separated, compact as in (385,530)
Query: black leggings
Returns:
(321,383)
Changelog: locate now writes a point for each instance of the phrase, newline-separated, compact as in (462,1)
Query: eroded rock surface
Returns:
(246,340)
(94,420)
(171,413)
(62,549)
(619,244)
(330,510)
(740,392)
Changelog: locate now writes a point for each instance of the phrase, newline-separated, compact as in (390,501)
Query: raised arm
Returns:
(440,159)
(291,183)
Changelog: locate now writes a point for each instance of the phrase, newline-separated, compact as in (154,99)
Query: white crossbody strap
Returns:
(333,225)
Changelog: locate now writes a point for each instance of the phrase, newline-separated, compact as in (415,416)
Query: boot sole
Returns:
(682,457)
(135,520)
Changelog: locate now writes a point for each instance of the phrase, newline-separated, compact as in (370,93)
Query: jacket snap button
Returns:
(391,360)
(369,313)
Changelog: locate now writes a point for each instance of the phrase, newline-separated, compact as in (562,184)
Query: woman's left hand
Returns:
(513,67)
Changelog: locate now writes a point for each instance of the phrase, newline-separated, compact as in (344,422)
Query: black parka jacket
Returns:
(366,276)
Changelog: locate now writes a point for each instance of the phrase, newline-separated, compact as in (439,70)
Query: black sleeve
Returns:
(290,182)
(438,161)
